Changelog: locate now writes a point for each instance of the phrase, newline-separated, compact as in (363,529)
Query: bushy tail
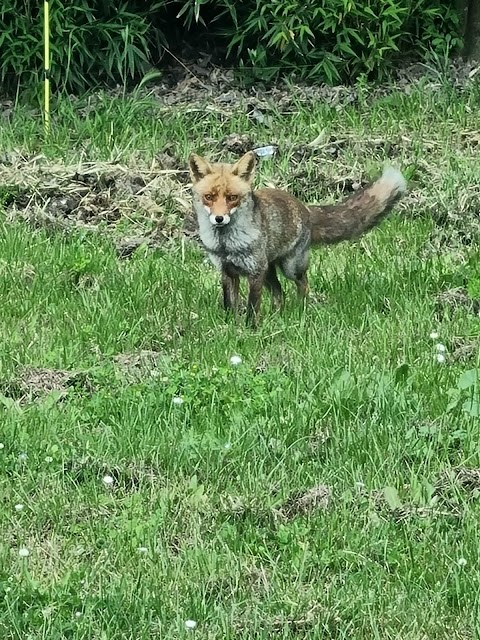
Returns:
(360,212)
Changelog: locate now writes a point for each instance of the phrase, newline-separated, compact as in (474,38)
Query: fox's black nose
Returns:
(218,219)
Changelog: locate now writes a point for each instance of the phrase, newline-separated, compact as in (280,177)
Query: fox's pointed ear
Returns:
(199,167)
(245,167)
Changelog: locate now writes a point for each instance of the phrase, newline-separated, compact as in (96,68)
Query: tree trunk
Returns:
(472,28)
(462,8)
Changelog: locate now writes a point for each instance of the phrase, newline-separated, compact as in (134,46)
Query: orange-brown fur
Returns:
(250,233)
(225,191)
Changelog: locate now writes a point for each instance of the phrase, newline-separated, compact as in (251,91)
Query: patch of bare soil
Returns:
(402,511)
(141,364)
(238,143)
(317,498)
(127,245)
(464,349)
(456,298)
(333,147)
(302,625)
(241,509)
(98,197)
(299,625)
(456,487)
(168,161)
(128,478)
(198,81)
(283,359)
(470,139)
(467,478)
(32,383)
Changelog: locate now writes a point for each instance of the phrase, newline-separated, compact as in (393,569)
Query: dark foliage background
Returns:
(331,41)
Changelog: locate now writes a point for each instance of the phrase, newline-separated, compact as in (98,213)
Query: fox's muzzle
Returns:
(219,220)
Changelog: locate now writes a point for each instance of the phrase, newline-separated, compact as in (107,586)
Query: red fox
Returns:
(250,233)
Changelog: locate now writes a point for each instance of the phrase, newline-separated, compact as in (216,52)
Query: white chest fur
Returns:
(233,243)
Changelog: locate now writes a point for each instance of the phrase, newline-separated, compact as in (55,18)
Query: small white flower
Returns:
(190,624)
(178,400)
(18,507)
(78,614)
(434,335)
(235,360)
(461,562)
(22,457)
(2,446)
(108,480)
(23,552)
(142,549)
(49,459)
(441,348)
(440,358)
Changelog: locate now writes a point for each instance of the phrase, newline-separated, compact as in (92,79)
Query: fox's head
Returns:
(221,188)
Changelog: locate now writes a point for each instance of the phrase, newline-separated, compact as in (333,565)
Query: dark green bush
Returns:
(333,40)
(91,41)
(330,40)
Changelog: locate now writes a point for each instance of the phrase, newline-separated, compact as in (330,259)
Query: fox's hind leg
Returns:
(273,284)
(302,285)
(295,266)
(298,273)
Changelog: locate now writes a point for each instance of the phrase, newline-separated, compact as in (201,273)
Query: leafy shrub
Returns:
(90,42)
(333,40)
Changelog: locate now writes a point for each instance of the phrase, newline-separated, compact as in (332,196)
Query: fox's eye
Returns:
(209,197)
(232,198)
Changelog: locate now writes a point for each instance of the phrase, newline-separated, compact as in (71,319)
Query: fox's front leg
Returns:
(231,287)
(256,283)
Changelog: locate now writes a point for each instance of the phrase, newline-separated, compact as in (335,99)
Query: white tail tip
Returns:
(395,178)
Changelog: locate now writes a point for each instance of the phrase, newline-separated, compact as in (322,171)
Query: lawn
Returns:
(325,483)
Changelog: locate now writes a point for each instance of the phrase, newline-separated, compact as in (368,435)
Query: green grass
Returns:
(346,394)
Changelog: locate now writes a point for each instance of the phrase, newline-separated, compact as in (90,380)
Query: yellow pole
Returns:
(46,62)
